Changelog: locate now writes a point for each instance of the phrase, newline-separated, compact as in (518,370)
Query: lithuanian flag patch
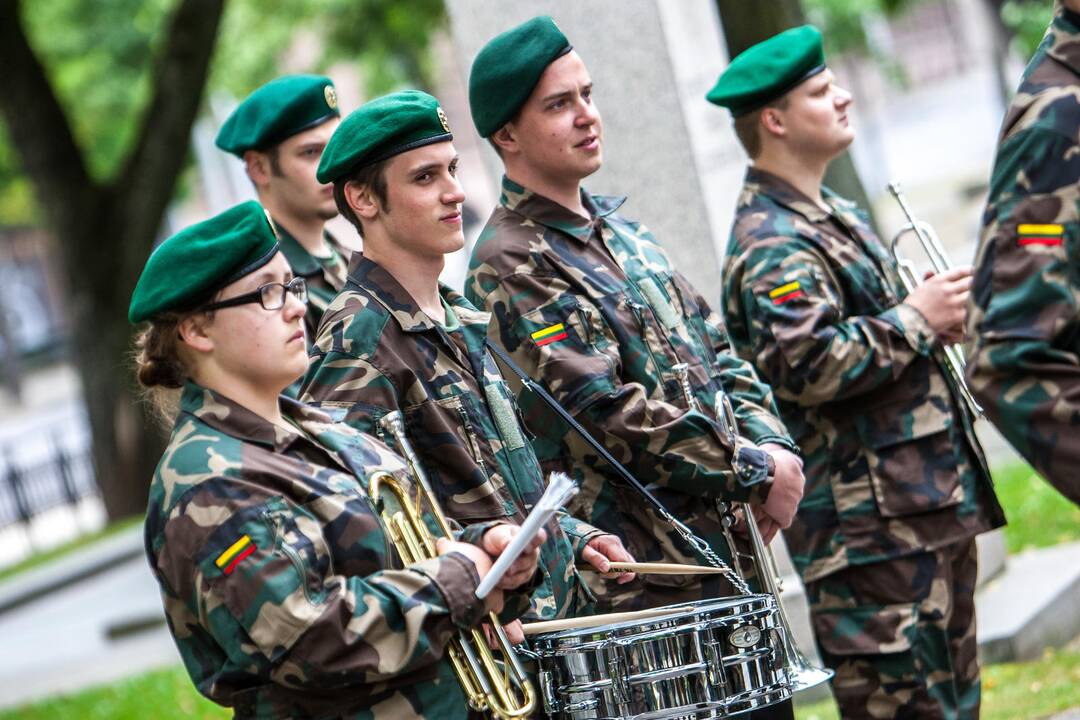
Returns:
(232,557)
(548,335)
(782,294)
(1039,234)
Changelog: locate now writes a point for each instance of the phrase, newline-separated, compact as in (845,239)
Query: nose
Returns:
(293,308)
(454,194)
(843,98)
(587,113)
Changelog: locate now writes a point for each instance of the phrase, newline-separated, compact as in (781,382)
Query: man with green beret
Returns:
(897,485)
(588,303)
(279,131)
(397,339)
(1023,326)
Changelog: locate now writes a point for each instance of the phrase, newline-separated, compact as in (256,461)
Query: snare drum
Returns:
(706,659)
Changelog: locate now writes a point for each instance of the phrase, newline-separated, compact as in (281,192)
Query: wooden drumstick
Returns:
(658,568)
(591,620)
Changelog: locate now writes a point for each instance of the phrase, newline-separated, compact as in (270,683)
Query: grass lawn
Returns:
(1028,690)
(1013,690)
(78,543)
(1039,516)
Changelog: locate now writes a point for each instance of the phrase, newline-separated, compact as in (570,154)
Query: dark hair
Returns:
(748,130)
(373,176)
(159,365)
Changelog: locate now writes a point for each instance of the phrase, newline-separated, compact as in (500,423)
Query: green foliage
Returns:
(1027,20)
(1038,515)
(99,54)
(1034,689)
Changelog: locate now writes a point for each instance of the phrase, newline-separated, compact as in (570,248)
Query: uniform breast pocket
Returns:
(911,458)
(456,458)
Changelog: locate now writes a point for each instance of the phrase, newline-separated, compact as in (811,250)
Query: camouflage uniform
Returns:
(280,588)
(377,351)
(593,309)
(1024,319)
(324,276)
(896,482)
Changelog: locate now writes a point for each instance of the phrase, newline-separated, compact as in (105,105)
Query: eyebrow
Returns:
(428,167)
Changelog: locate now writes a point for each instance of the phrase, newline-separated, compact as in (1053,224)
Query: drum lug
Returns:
(547,691)
(714,661)
(617,673)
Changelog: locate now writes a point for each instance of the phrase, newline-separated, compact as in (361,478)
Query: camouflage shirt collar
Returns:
(233,419)
(300,260)
(1065,42)
(533,206)
(377,282)
(783,192)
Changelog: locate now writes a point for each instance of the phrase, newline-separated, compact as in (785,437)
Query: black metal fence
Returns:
(60,477)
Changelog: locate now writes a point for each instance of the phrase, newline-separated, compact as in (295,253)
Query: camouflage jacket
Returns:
(1024,319)
(280,588)
(324,276)
(893,466)
(592,308)
(377,351)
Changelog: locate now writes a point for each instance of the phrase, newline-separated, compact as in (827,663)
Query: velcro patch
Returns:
(1030,234)
(548,335)
(239,550)
(782,294)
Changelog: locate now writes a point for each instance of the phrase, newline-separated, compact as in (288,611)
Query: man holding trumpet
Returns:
(897,487)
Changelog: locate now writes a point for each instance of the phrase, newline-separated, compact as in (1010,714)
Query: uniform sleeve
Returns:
(579,531)
(802,341)
(350,389)
(265,589)
(1024,321)
(581,366)
(752,399)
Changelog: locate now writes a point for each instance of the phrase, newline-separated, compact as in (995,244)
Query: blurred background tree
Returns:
(95,127)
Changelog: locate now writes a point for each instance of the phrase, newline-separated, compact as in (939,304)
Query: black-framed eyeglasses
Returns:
(271,296)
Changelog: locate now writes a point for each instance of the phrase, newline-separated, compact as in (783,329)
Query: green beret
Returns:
(278,110)
(507,69)
(186,270)
(764,72)
(380,129)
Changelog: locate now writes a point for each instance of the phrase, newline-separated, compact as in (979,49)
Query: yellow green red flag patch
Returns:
(548,335)
(786,292)
(239,550)
(1030,234)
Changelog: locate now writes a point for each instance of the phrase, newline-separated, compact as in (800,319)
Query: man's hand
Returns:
(942,300)
(602,550)
(498,538)
(515,633)
(787,488)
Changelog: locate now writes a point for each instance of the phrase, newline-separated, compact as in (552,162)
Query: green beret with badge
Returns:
(766,71)
(507,69)
(278,110)
(380,129)
(187,269)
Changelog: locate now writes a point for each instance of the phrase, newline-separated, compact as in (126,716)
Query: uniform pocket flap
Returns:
(898,423)
(866,629)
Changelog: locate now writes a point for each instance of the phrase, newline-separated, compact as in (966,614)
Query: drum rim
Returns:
(677,610)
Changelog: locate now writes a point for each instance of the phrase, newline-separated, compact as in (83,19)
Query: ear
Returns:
(192,331)
(257,165)
(506,138)
(362,201)
(772,120)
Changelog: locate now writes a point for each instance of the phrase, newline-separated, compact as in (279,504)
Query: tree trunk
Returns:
(106,230)
(747,23)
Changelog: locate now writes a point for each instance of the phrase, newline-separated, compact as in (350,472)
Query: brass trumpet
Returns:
(951,357)
(501,689)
